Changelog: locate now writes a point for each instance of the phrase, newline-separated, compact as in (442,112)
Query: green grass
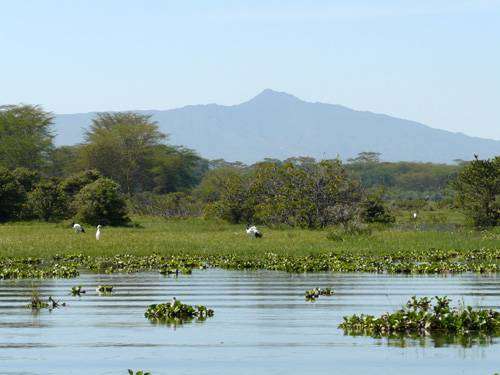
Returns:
(207,237)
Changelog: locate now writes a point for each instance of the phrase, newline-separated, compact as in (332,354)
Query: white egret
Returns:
(98,233)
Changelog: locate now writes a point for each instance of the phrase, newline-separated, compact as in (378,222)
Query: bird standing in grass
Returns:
(98,233)
(252,231)
(414,216)
(77,228)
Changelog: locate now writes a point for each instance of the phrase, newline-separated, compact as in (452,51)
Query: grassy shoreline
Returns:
(198,241)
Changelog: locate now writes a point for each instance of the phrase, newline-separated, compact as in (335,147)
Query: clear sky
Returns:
(433,61)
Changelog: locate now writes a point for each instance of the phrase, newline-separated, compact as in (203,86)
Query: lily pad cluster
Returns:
(177,311)
(313,294)
(423,317)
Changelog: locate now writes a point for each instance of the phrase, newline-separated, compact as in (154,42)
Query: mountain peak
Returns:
(272,96)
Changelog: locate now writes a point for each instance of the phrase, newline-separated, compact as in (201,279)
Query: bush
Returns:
(12,195)
(101,203)
(73,184)
(47,201)
(373,210)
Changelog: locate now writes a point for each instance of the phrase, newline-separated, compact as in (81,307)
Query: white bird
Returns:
(172,302)
(252,231)
(98,233)
(414,216)
(77,228)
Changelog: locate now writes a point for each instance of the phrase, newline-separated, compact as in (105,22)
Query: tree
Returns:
(478,191)
(101,202)
(366,157)
(26,138)
(73,184)
(26,177)
(121,146)
(47,201)
(65,160)
(12,195)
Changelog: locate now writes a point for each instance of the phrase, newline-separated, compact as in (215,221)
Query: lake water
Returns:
(262,325)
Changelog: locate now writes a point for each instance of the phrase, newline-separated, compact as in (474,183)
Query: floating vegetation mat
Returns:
(313,294)
(422,317)
(77,290)
(176,312)
(408,262)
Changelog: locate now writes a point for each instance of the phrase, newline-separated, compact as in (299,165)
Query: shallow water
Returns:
(262,325)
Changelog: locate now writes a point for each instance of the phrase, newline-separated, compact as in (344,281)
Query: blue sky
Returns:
(433,61)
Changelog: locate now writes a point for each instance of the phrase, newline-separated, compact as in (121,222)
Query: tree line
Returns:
(125,165)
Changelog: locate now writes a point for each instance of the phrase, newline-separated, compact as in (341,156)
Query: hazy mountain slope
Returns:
(280,125)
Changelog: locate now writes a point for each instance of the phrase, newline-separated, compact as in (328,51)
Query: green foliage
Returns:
(420,317)
(176,311)
(233,204)
(48,201)
(36,302)
(313,294)
(12,195)
(104,289)
(121,146)
(74,183)
(373,210)
(77,290)
(101,202)
(478,191)
(26,138)
(26,177)
(140,372)
(172,205)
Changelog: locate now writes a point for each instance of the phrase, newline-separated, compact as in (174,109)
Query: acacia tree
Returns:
(121,146)
(478,191)
(26,137)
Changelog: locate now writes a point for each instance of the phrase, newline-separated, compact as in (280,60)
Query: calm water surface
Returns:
(262,325)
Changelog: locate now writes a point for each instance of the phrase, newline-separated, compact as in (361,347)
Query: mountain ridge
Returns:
(279,125)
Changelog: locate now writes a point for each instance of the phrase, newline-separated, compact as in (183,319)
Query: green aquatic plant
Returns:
(36,302)
(175,310)
(313,294)
(77,290)
(421,317)
(104,289)
(140,372)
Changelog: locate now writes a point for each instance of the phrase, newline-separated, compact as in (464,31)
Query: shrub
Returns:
(12,195)
(373,210)
(73,184)
(48,201)
(101,203)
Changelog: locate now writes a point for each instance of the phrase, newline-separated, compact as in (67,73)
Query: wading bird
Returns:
(77,227)
(414,216)
(252,231)
(98,233)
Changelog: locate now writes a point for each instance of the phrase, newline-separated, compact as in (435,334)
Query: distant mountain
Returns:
(279,125)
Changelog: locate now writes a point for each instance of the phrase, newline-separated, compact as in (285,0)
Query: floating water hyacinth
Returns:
(430,261)
(421,317)
(36,302)
(104,289)
(313,294)
(77,290)
(140,372)
(177,311)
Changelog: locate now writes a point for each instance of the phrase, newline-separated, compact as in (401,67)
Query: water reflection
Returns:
(262,324)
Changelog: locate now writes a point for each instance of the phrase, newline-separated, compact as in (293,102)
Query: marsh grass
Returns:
(207,237)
